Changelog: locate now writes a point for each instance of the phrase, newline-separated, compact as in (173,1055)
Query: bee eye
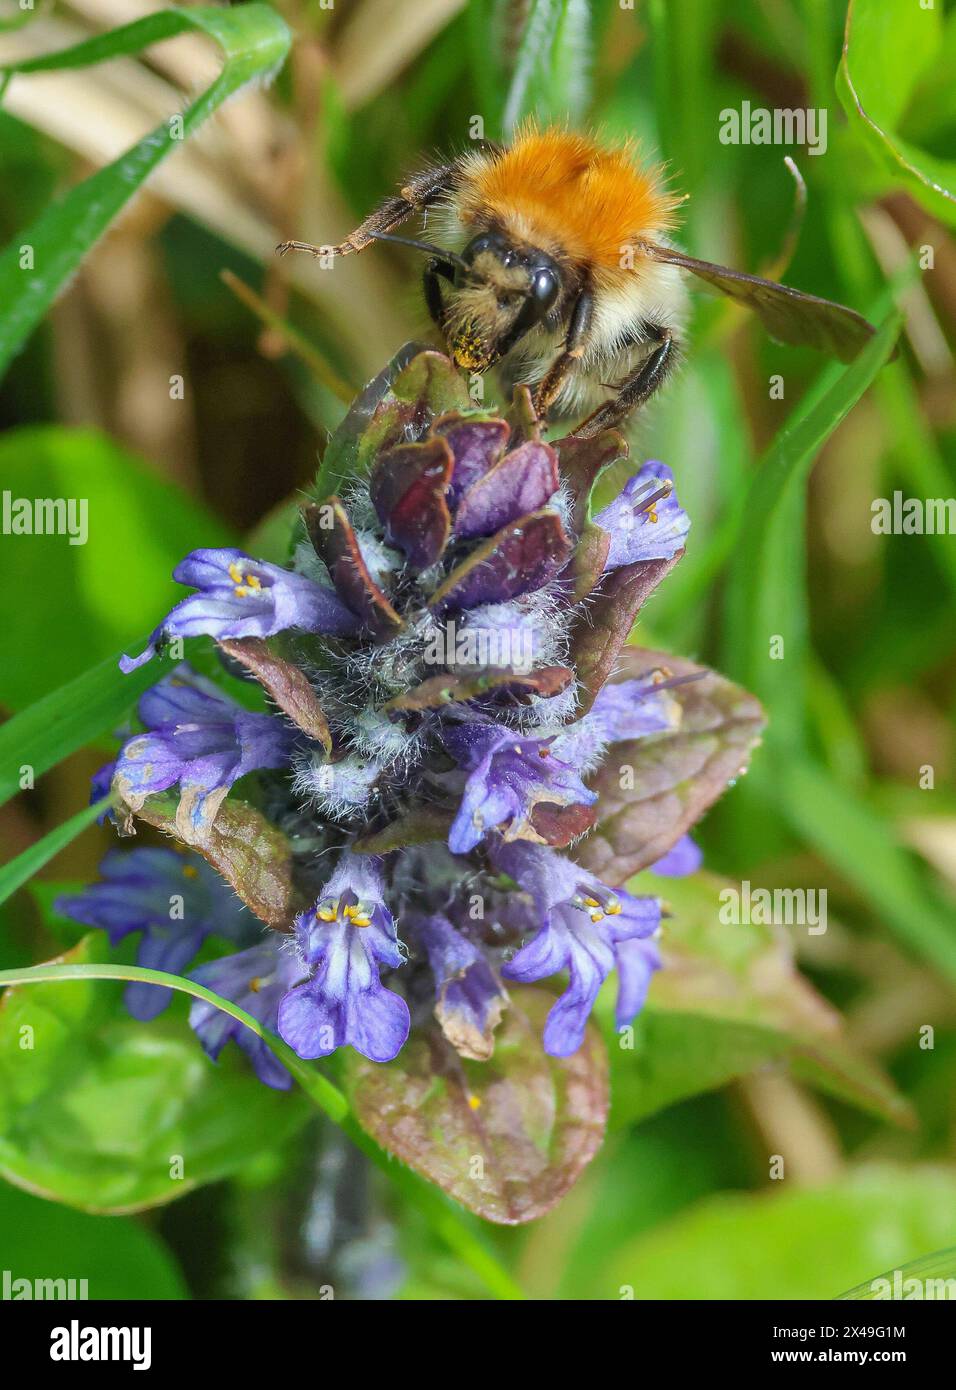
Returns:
(485,241)
(543,291)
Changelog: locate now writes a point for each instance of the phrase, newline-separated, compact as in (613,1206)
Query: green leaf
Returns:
(550,78)
(118,1258)
(15,873)
(728,1001)
(508,1137)
(84,600)
(787,1244)
(68,718)
(254,41)
(766,594)
(445,1219)
(95,1107)
(888,47)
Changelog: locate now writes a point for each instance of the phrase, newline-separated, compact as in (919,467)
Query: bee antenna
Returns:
(450,257)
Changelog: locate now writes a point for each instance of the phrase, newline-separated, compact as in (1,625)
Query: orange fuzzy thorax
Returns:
(571,196)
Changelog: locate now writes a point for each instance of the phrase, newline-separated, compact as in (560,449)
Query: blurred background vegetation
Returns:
(680,1203)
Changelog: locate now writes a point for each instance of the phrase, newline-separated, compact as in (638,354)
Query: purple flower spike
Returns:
(239,597)
(633,709)
(470,999)
(508,776)
(175,900)
(683,858)
(585,928)
(256,980)
(199,739)
(645,522)
(344,941)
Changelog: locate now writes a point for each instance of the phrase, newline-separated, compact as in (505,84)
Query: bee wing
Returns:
(789,316)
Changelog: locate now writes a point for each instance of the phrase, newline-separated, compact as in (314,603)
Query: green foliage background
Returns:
(680,1203)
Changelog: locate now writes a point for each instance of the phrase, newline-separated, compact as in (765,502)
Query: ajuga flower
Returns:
(197,738)
(456,721)
(174,900)
(257,979)
(239,597)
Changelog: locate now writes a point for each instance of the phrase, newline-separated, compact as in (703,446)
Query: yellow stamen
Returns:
(597,916)
(474,1102)
(326,914)
(235,573)
(254,985)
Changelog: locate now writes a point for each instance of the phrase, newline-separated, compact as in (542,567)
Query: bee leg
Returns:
(575,345)
(635,389)
(434,302)
(419,193)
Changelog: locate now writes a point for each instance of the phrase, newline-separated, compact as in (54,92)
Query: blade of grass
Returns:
(66,719)
(446,1220)
(550,77)
(766,594)
(15,874)
(254,40)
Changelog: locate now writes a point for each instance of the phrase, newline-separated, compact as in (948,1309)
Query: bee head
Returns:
(501,291)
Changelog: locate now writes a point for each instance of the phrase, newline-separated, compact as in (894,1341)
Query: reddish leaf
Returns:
(285,683)
(558,826)
(652,790)
(588,561)
(337,545)
(521,482)
(252,855)
(606,623)
(346,449)
(409,489)
(582,461)
(522,556)
(508,1137)
(477,442)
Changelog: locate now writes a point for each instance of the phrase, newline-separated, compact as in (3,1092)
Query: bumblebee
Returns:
(557,263)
